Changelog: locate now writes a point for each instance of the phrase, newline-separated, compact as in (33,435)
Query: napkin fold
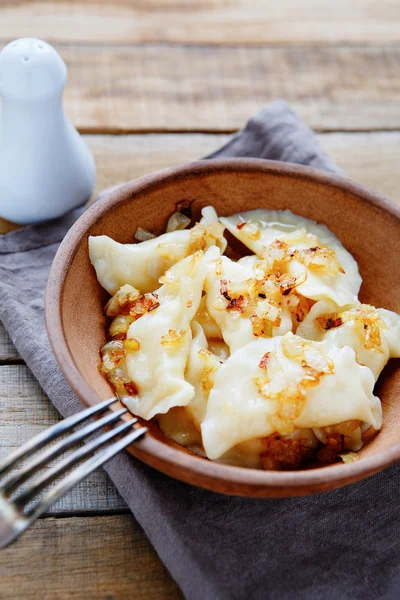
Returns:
(337,545)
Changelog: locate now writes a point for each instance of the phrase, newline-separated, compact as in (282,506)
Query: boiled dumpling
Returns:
(219,348)
(163,337)
(281,384)
(301,246)
(233,301)
(142,264)
(203,317)
(373,333)
(200,372)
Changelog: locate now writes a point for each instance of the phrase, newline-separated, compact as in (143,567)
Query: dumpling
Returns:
(203,317)
(178,426)
(182,424)
(299,246)
(234,302)
(161,340)
(374,334)
(219,348)
(142,264)
(250,262)
(200,373)
(282,384)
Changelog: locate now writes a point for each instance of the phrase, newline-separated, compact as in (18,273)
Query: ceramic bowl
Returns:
(368,226)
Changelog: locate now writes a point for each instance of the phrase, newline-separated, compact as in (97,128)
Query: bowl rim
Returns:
(168,459)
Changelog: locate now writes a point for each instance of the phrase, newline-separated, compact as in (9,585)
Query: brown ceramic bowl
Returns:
(368,226)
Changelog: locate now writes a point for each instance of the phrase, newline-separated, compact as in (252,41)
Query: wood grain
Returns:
(194,21)
(25,411)
(216,89)
(96,558)
(369,158)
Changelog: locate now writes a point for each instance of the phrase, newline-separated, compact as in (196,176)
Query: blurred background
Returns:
(154,83)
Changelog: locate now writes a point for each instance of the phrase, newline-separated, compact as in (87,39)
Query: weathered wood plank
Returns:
(183,88)
(218,21)
(369,158)
(96,558)
(217,89)
(8,352)
(25,411)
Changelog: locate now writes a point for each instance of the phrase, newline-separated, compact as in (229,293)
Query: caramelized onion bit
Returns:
(132,344)
(319,258)
(131,388)
(250,230)
(223,290)
(144,304)
(333,447)
(122,300)
(264,361)
(142,235)
(367,320)
(349,457)
(117,378)
(153,306)
(277,254)
(299,307)
(283,453)
(370,323)
(202,237)
(287,282)
(129,301)
(210,365)
(111,353)
(119,327)
(329,322)
(292,400)
(174,337)
(239,304)
(177,221)
(261,327)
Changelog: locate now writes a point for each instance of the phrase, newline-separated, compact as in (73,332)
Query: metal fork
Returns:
(15,515)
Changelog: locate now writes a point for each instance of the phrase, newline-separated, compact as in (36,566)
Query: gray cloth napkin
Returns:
(342,544)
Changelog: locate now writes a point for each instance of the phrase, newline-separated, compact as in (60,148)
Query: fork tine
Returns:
(68,462)
(70,481)
(52,432)
(52,452)
(84,470)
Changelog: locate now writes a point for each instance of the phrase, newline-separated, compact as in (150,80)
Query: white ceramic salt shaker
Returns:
(46,169)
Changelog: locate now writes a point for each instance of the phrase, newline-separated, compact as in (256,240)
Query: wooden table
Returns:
(154,83)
